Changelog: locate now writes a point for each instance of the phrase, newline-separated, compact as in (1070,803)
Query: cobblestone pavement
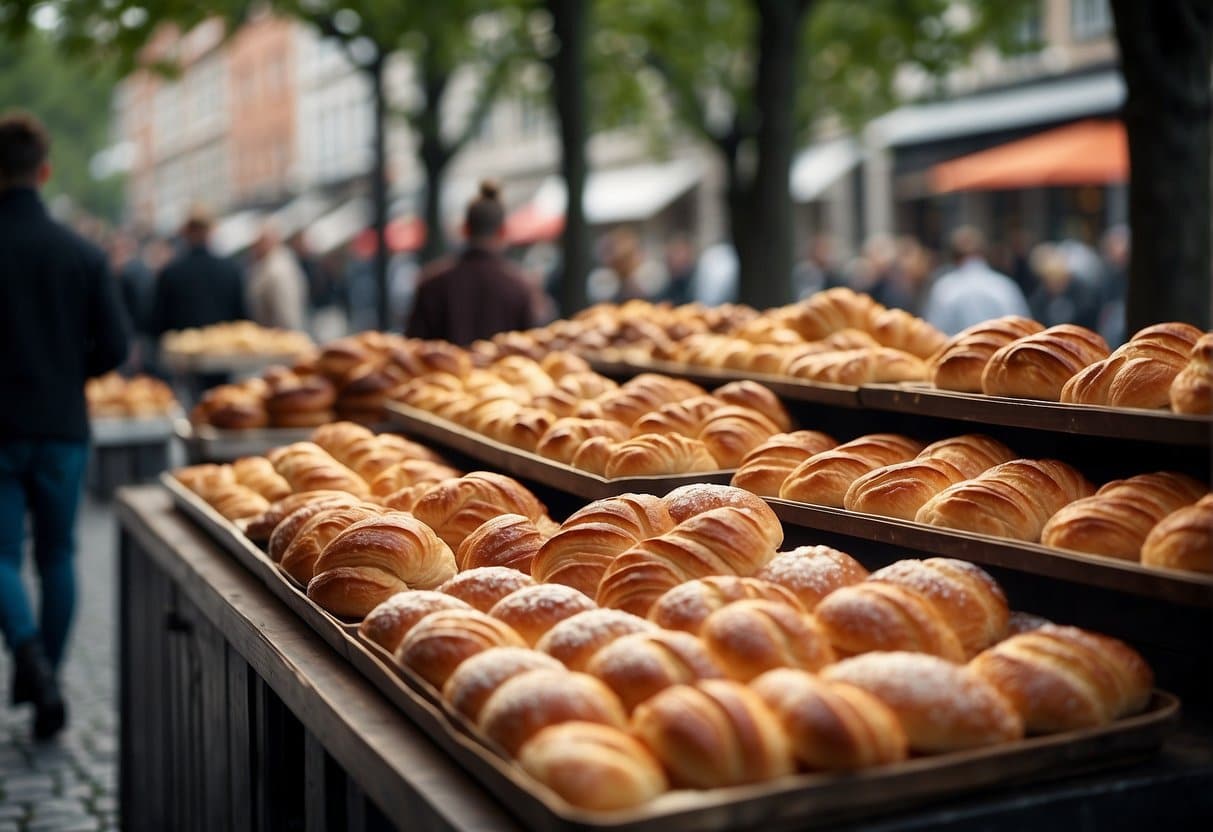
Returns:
(71,785)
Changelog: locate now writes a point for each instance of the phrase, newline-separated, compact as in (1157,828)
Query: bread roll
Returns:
(832,726)
(526,704)
(443,640)
(261,528)
(970,601)
(574,641)
(1038,366)
(1012,500)
(688,605)
(484,586)
(1182,539)
(874,615)
(299,558)
(713,734)
(763,470)
(823,479)
(812,572)
(752,395)
(655,454)
(960,363)
(456,508)
(533,610)
(639,665)
(390,622)
(748,637)
(1192,389)
(593,766)
(287,530)
(506,540)
(566,436)
(687,501)
(1139,373)
(477,677)
(1116,519)
(256,473)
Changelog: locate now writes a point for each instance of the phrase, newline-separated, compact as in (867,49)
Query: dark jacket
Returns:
(472,296)
(61,322)
(197,289)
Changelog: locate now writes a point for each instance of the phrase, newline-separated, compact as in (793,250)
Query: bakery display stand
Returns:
(127,451)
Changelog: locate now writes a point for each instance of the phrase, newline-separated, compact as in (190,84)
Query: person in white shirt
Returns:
(277,287)
(972,292)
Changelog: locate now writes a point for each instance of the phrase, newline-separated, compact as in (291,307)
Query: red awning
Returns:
(1083,153)
(403,234)
(530,224)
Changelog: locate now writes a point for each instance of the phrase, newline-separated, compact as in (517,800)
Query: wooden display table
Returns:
(236,716)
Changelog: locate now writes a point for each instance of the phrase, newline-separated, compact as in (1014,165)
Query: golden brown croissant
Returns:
(257,473)
(456,508)
(1038,366)
(644,393)
(940,705)
(1182,539)
(656,454)
(338,437)
(566,436)
(688,605)
(285,532)
(560,364)
(1139,373)
(747,638)
(529,702)
(440,642)
(873,616)
(506,540)
(686,501)
(594,454)
(960,362)
(824,478)
(970,601)
(374,559)
(585,385)
(751,394)
(390,621)
(593,766)
(300,556)
(1013,500)
(639,665)
(574,641)
(1192,389)
(832,310)
(410,472)
(900,330)
(261,528)
(685,417)
(832,726)
(1117,518)
(484,586)
(474,681)
(533,610)
(589,540)
(812,572)
(732,432)
(712,734)
(764,469)
(1064,678)
(308,467)
(858,366)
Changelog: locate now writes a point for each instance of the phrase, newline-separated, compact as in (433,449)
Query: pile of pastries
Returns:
(562,410)
(648,643)
(975,483)
(114,396)
(235,338)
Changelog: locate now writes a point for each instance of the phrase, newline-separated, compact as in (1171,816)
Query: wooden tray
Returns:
(530,466)
(798,799)
(1191,588)
(839,395)
(1088,420)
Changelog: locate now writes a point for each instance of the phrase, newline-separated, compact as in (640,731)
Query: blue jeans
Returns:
(44,479)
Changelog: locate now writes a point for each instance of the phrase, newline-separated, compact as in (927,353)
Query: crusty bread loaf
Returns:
(574,641)
(824,478)
(1037,366)
(688,605)
(812,572)
(1139,373)
(960,362)
(1192,389)
(593,766)
(657,454)
(832,726)
(941,706)
(533,610)
(878,616)
(763,470)
(529,702)
(749,637)
(639,665)
(473,682)
(1182,539)
(484,586)
(443,640)
(506,540)
(390,621)
(456,508)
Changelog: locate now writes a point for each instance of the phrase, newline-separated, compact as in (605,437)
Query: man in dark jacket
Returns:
(198,288)
(478,293)
(61,322)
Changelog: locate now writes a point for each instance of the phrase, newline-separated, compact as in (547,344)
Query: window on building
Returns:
(1090,19)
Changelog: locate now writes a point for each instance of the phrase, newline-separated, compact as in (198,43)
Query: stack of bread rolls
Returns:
(235,339)
(113,396)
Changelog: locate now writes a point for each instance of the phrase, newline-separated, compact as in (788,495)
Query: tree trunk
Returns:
(765,248)
(379,195)
(1166,54)
(570,20)
(433,163)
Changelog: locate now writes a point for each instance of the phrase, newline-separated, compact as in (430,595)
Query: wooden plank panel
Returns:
(240,762)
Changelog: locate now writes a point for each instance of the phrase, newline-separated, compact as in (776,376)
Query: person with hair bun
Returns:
(477,293)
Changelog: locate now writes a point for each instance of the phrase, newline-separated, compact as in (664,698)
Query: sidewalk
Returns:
(71,785)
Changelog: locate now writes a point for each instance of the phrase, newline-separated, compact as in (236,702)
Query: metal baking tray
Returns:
(204,443)
(109,432)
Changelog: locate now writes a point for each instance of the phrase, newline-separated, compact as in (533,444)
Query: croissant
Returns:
(832,310)
(752,395)
(811,573)
(585,385)
(477,677)
(1038,366)
(1192,389)
(308,467)
(686,501)
(374,559)
(685,417)
(832,726)
(900,330)
(655,454)
(638,666)
(1182,539)
(970,601)
(261,528)
(389,622)
(1139,373)
(566,436)
(533,610)
(574,641)
(764,469)
(594,454)
(643,394)
(410,472)
(593,766)
(874,615)
(1117,518)
(526,704)
(1063,678)
(941,706)
(960,362)
(443,640)
(369,458)
(285,532)
(589,540)
(456,508)
(1012,500)
(732,432)
(688,605)
(525,429)
(749,637)
(858,366)
(237,502)
(256,473)
(506,540)
(712,734)
(560,364)
(823,479)
(484,586)
(300,556)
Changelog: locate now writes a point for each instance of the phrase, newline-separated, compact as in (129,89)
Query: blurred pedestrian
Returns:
(972,292)
(680,261)
(61,322)
(1061,298)
(197,288)
(477,293)
(1114,251)
(818,271)
(627,273)
(137,284)
(718,275)
(277,288)
(904,283)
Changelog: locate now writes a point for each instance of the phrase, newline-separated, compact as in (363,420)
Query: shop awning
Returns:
(403,234)
(1084,153)
(532,224)
(819,166)
(300,212)
(338,227)
(628,194)
(236,232)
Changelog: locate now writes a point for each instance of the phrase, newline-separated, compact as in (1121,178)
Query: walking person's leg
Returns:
(16,613)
